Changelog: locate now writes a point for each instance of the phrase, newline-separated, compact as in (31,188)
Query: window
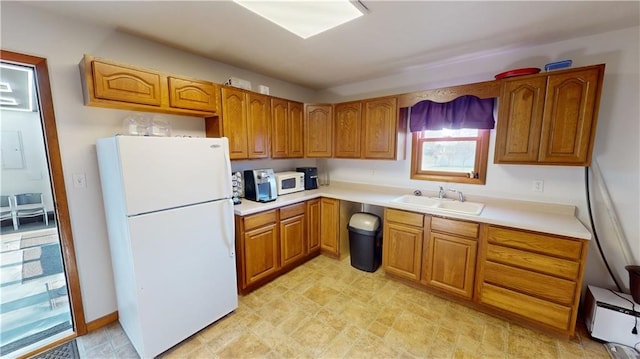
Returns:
(450,155)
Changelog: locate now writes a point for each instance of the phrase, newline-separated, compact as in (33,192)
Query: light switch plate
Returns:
(537,186)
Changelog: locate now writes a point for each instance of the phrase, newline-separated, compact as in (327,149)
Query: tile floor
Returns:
(26,307)
(328,309)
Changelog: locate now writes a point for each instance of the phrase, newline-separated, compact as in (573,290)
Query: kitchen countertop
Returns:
(558,219)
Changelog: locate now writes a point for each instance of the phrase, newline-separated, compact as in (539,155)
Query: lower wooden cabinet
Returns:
(293,246)
(531,278)
(257,255)
(450,256)
(329,228)
(313,226)
(403,234)
(536,277)
(272,242)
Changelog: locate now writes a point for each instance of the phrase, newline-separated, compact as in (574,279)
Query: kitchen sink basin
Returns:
(441,204)
(419,200)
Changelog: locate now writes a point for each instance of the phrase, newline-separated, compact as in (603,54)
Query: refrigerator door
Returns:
(185,274)
(168,172)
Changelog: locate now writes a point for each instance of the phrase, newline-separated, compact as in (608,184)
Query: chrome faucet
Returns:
(417,192)
(443,192)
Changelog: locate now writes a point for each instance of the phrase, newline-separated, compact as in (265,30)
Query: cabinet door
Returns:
(380,125)
(234,122)
(318,131)
(279,128)
(192,94)
(520,120)
(348,127)
(402,250)
(292,238)
(296,130)
(450,264)
(120,83)
(568,127)
(313,225)
(258,123)
(260,253)
(329,231)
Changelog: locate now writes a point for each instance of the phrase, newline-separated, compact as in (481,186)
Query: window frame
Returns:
(480,164)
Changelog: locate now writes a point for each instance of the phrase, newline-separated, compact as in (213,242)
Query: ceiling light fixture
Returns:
(306,18)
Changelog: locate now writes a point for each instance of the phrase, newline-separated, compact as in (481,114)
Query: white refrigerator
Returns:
(171,233)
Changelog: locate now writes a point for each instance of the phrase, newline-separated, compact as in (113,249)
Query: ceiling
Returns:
(393,37)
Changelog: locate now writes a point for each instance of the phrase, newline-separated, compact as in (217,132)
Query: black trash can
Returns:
(365,241)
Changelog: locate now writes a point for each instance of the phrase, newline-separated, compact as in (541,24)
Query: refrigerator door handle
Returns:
(228,230)
(227,163)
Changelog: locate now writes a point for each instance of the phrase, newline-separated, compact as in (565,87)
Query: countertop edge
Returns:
(551,218)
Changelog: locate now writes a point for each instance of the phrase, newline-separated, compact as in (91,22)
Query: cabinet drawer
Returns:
(461,228)
(539,285)
(292,210)
(537,262)
(536,242)
(410,218)
(259,219)
(538,310)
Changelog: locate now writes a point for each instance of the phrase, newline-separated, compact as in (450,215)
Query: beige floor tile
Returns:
(370,346)
(320,294)
(183,349)
(339,346)
(328,309)
(314,335)
(246,345)
(331,318)
(523,347)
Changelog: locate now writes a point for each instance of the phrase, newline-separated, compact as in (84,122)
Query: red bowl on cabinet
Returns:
(518,72)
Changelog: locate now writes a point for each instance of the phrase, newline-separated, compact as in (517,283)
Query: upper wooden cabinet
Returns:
(348,129)
(109,84)
(245,121)
(549,118)
(368,129)
(286,129)
(258,125)
(380,128)
(318,131)
(192,94)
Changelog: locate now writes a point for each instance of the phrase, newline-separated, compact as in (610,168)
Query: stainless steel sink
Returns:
(441,204)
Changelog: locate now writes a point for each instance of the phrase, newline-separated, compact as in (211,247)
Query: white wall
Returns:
(617,148)
(64,42)
(34,176)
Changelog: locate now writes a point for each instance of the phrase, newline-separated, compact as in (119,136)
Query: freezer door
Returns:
(185,273)
(168,172)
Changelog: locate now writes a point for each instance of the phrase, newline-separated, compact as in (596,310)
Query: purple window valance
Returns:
(463,112)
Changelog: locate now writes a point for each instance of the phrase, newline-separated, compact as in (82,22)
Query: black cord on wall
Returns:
(593,227)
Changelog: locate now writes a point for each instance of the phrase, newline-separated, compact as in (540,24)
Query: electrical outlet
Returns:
(537,185)
(79,180)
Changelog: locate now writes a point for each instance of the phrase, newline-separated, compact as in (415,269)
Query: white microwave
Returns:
(289,182)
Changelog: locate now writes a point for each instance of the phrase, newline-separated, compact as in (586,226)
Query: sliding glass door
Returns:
(36,307)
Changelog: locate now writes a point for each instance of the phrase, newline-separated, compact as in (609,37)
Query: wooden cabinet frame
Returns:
(106,83)
(549,118)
